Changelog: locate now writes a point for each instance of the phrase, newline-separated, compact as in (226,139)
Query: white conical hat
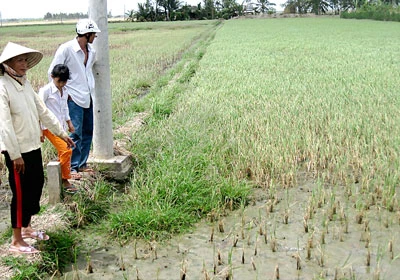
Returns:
(12,50)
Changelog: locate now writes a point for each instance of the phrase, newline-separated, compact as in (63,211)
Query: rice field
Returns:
(275,102)
(300,113)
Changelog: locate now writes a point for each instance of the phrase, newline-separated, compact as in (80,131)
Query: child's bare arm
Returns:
(41,136)
(71,127)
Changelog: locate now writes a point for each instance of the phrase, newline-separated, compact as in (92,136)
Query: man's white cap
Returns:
(84,26)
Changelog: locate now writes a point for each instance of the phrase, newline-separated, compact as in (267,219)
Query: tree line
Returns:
(171,10)
(62,16)
(175,10)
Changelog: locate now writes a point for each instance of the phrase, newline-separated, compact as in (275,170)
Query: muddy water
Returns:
(306,232)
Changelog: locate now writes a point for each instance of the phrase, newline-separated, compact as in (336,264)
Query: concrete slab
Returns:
(117,168)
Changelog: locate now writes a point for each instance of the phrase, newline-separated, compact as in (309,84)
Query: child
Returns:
(55,96)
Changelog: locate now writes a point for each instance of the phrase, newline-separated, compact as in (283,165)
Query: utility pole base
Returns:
(116,168)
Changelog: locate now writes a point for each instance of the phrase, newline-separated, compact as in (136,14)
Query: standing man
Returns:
(79,56)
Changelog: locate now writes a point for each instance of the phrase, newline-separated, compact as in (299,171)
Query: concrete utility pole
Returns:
(103,138)
(103,150)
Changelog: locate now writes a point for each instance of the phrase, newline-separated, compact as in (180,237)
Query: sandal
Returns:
(70,189)
(87,170)
(76,176)
(23,249)
(38,235)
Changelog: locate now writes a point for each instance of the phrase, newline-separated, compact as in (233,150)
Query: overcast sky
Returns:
(38,8)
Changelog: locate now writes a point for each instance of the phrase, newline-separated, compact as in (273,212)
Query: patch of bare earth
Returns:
(129,128)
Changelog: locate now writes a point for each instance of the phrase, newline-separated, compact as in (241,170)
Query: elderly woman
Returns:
(21,109)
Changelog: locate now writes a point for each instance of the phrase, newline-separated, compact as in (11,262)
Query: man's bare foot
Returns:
(66,183)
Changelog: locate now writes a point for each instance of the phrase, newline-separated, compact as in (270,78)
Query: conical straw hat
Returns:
(12,50)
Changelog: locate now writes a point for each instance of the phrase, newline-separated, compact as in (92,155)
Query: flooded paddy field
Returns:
(309,231)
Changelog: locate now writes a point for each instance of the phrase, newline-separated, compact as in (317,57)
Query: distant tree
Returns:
(130,15)
(297,6)
(209,9)
(62,16)
(146,12)
(342,5)
(345,5)
(318,6)
(228,9)
(169,6)
(263,6)
(48,16)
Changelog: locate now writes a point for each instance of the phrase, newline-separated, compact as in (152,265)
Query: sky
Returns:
(38,8)
(11,9)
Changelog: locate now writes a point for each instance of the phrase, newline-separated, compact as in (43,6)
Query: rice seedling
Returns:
(305,224)
(256,246)
(341,233)
(308,250)
(76,272)
(121,264)
(298,261)
(230,264)
(386,222)
(183,270)
(286,217)
(346,224)
(377,273)
(221,226)
(276,273)
(138,275)
(212,235)
(205,272)
(337,274)
(219,258)
(265,234)
(367,239)
(322,238)
(89,265)
(270,207)
(360,217)
(253,264)
(273,244)
(368,258)
(366,226)
(135,254)
(321,256)
(153,248)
